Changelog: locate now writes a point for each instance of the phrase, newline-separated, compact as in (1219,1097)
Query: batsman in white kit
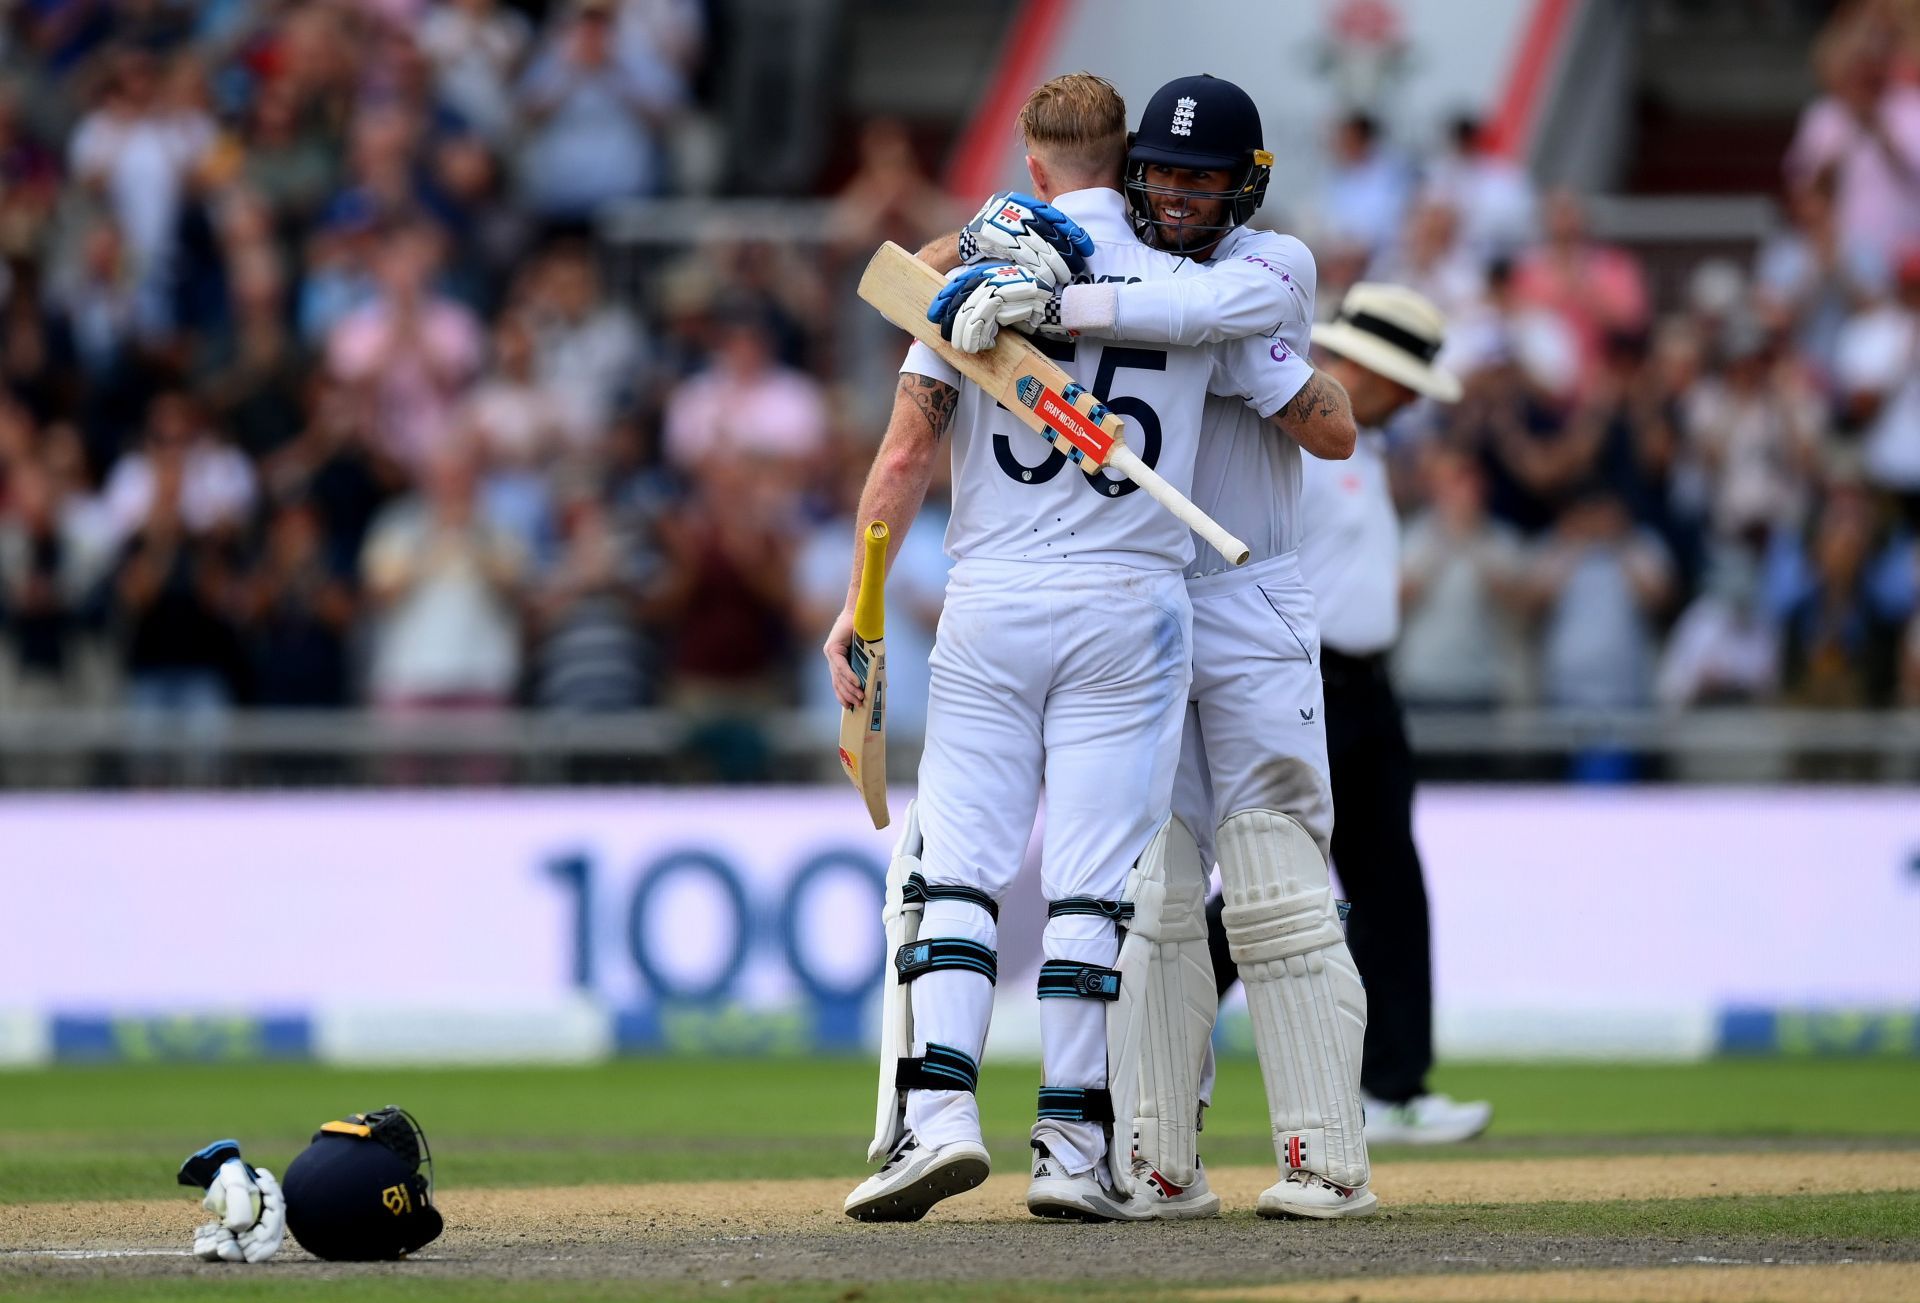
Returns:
(1253,789)
(1061,662)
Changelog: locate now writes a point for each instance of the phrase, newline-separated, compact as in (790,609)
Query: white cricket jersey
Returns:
(1254,281)
(1350,548)
(1254,298)
(1247,473)
(1015,498)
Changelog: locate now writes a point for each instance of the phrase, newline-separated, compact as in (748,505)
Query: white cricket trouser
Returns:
(1071,676)
(1256,733)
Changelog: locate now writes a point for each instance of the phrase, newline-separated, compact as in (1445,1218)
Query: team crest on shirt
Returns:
(1183,115)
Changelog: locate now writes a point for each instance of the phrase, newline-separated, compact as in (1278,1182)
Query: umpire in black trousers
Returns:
(1381,348)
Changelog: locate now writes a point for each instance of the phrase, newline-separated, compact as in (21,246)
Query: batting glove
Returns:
(1016,228)
(262,1240)
(250,1213)
(976,301)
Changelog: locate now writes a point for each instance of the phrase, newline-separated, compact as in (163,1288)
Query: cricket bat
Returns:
(863,729)
(1032,386)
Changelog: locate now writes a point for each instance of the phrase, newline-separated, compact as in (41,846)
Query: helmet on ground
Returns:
(363,1189)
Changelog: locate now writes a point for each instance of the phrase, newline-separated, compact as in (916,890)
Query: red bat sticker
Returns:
(1084,436)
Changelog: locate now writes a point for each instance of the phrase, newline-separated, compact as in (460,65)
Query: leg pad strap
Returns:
(941,1068)
(1063,979)
(1117,912)
(916,890)
(917,958)
(1074,1104)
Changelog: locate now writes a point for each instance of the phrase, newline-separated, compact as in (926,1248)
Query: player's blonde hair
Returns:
(1078,124)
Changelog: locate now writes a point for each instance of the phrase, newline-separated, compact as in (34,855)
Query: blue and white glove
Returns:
(250,1213)
(976,301)
(1016,228)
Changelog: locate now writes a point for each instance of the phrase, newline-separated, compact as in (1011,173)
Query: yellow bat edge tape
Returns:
(869,610)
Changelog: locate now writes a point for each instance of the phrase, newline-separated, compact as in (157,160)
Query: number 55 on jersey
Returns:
(1038,393)
(863,729)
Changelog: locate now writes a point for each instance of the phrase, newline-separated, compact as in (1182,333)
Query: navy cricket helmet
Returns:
(363,1190)
(1199,122)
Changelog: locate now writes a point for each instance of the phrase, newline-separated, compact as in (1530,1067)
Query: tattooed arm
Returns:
(922,411)
(896,486)
(1320,418)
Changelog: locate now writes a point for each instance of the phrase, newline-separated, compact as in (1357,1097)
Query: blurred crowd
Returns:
(315,389)
(1715,504)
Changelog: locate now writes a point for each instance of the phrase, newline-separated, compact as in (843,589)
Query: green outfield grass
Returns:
(107,1133)
(119,1132)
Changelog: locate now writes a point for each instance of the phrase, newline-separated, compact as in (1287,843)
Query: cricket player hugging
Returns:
(1252,786)
(1062,660)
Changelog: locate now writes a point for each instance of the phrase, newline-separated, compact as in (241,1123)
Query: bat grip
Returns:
(868,613)
(1128,463)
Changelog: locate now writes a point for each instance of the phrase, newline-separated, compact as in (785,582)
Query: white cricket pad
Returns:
(1127,1015)
(1308,1008)
(901,918)
(1181,1004)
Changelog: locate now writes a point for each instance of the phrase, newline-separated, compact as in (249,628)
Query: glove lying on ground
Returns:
(250,1213)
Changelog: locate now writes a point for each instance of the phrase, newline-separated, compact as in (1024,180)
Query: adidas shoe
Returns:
(1308,1194)
(915,1178)
(1080,1198)
(1426,1120)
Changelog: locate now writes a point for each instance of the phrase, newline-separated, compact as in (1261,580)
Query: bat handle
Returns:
(869,618)
(1128,463)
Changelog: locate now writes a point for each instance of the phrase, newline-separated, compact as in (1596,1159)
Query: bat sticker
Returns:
(1083,437)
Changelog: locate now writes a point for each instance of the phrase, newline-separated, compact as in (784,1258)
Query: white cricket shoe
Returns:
(1308,1194)
(1078,1198)
(1425,1120)
(1167,1202)
(915,1178)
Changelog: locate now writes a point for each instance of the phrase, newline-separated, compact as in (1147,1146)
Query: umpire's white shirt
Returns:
(1350,548)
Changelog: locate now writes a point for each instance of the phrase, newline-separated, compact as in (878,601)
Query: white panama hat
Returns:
(1394,332)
